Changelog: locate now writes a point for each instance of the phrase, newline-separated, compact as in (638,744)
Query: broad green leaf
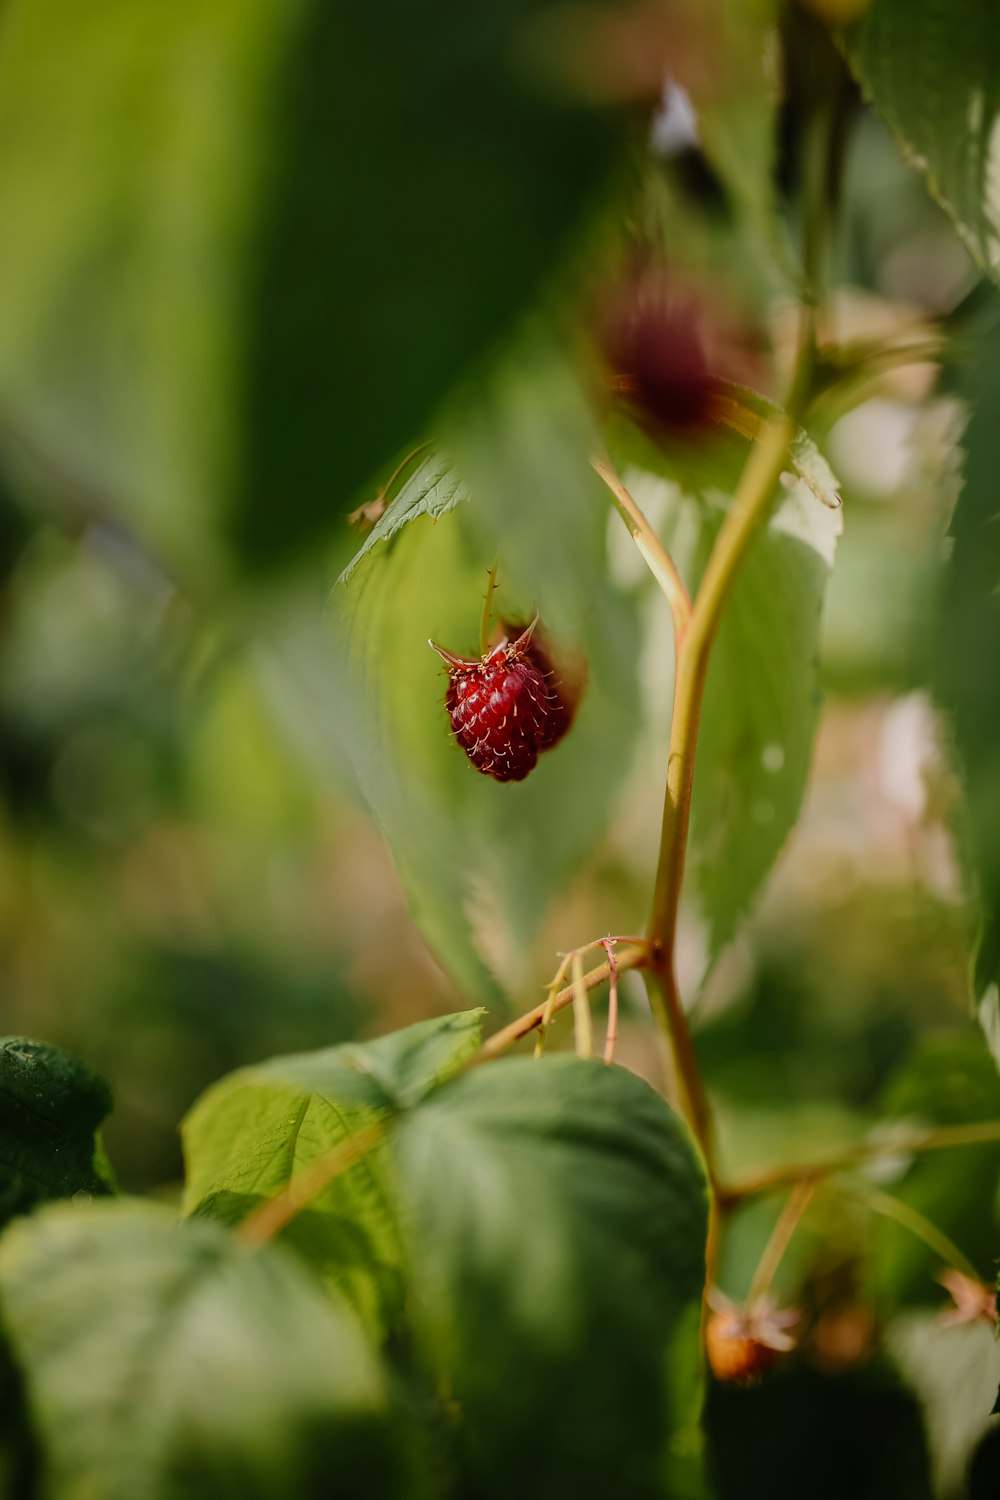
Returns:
(932,70)
(555,1220)
(248,250)
(762,695)
(804,1431)
(163,1360)
(51,1108)
(949,1080)
(429,181)
(253,1132)
(481,862)
(969,665)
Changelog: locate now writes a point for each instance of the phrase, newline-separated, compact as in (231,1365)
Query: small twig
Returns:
(271,1217)
(611,1035)
(781,1236)
(636,956)
(655,555)
(770,1179)
(909,1217)
(583,1031)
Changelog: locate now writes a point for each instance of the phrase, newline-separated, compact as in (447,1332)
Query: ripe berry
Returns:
(507,706)
(669,348)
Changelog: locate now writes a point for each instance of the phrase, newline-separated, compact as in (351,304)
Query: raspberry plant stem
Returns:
(654,554)
(911,1219)
(487,614)
(694,643)
(781,1238)
(636,956)
(771,1179)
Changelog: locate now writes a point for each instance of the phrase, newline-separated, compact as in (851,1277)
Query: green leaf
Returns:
(165,1361)
(969,665)
(762,695)
(932,70)
(807,1432)
(481,862)
(429,181)
(736,103)
(133,148)
(248,251)
(253,1132)
(51,1108)
(555,1218)
(433,489)
(954,1373)
(948,1080)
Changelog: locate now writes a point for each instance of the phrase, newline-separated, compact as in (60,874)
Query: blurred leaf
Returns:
(426,186)
(954,1372)
(226,282)
(736,102)
(804,1432)
(432,490)
(969,665)
(762,696)
(51,1108)
(555,1216)
(948,1080)
(932,70)
(133,147)
(165,1361)
(251,1133)
(482,862)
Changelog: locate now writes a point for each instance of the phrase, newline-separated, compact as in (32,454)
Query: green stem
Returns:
(750,504)
(771,1179)
(654,554)
(902,1213)
(633,957)
(781,1238)
(485,617)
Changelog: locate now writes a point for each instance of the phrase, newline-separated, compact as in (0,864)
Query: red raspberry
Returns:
(508,706)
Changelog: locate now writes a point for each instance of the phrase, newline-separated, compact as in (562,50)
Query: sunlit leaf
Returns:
(932,69)
(254,1132)
(432,490)
(482,862)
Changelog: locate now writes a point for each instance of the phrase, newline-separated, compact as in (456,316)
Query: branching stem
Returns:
(635,956)
(750,503)
(653,552)
(771,1179)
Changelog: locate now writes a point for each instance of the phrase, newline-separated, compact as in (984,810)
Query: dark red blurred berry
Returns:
(653,342)
(508,706)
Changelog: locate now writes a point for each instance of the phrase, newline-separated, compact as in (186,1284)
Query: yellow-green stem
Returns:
(750,504)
